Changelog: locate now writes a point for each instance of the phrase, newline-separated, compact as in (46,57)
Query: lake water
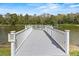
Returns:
(74,35)
(4,30)
(3,35)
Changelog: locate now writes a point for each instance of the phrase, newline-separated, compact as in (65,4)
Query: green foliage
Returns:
(14,19)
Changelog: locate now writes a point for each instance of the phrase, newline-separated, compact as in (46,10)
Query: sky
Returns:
(39,8)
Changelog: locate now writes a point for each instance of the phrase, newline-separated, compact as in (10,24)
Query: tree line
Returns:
(44,19)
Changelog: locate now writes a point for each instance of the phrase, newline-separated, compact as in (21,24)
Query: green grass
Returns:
(4,51)
(68,27)
(74,53)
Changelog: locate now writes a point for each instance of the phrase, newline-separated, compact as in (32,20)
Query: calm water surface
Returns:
(3,34)
(4,30)
(74,37)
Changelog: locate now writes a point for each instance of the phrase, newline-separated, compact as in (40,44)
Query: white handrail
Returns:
(16,39)
(59,31)
(61,37)
(27,34)
(20,31)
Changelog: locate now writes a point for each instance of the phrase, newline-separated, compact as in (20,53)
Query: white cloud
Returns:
(74,5)
(6,10)
(48,7)
(2,9)
(53,6)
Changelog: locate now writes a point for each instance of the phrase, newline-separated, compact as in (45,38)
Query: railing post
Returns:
(25,27)
(51,32)
(67,41)
(11,38)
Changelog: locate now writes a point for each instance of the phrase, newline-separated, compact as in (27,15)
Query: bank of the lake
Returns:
(74,50)
(5,50)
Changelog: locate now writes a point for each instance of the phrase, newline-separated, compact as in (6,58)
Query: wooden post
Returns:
(11,38)
(67,41)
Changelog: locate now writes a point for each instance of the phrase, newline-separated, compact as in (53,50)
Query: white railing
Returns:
(36,26)
(17,39)
(61,37)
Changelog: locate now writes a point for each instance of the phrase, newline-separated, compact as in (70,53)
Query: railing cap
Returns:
(67,30)
(12,32)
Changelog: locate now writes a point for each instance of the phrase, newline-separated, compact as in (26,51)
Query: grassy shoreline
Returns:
(72,27)
(5,50)
(74,50)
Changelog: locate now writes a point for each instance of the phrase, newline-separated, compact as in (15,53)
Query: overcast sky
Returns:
(39,8)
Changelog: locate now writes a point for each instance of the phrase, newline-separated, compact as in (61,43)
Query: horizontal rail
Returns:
(21,31)
(59,31)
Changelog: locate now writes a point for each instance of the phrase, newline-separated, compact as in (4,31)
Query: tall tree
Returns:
(26,19)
